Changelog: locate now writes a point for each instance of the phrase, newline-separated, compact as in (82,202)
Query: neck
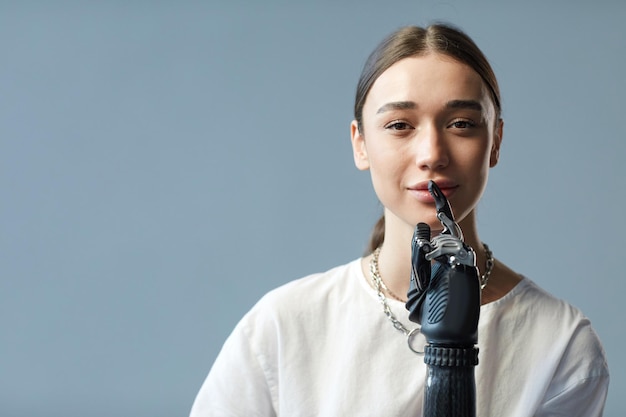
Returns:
(395,255)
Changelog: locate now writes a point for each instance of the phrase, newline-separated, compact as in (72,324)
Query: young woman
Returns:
(427,108)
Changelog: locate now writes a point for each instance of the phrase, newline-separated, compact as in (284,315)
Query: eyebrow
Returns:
(397,105)
(465,104)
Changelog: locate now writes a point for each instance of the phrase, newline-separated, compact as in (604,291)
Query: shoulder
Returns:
(558,332)
(530,308)
(314,287)
(538,321)
(570,351)
(273,334)
(302,299)
(321,282)
(529,300)
(545,339)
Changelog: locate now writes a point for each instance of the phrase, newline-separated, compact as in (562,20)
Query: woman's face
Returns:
(427,118)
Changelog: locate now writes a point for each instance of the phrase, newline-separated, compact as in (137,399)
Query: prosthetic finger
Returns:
(444,211)
(420,270)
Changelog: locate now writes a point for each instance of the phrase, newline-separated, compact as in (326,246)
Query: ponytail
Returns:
(377,236)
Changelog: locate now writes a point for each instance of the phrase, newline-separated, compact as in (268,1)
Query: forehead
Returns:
(428,78)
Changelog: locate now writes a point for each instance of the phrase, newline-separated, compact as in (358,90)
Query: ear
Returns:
(359,150)
(497,141)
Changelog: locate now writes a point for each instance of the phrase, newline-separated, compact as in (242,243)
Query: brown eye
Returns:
(462,124)
(398,126)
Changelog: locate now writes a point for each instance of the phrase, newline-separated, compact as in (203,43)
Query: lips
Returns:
(421,193)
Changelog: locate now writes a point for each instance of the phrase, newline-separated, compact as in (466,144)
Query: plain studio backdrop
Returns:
(164,164)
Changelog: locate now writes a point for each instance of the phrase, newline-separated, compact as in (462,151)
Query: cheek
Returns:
(387,173)
(387,165)
(475,157)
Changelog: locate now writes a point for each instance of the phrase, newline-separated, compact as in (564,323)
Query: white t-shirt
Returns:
(322,346)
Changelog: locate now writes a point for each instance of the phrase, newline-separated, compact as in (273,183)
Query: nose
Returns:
(430,149)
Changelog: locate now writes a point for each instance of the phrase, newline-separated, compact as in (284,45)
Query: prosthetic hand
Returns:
(444,296)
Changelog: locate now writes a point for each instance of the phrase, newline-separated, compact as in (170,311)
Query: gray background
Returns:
(164,164)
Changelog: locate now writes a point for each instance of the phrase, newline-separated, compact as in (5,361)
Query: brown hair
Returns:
(410,41)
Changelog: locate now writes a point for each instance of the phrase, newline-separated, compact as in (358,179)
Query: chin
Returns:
(429,217)
(431,220)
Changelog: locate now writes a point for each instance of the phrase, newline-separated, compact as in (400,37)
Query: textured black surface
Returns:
(450,392)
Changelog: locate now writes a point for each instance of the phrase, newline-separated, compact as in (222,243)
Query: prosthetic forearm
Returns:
(444,298)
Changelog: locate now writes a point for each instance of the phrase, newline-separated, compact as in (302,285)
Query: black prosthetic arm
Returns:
(444,298)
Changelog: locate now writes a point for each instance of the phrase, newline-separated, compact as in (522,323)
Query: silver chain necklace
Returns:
(379,285)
